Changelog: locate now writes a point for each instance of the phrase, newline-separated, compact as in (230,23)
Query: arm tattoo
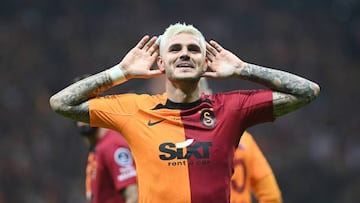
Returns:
(72,101)
(290,91)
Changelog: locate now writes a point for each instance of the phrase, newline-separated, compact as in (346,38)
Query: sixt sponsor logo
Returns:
(178,153)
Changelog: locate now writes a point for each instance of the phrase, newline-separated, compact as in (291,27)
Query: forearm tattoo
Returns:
(72,101)
(290,91)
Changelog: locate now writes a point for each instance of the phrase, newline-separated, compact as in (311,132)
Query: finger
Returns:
(210,53)
(210,49)
(210,56)
(216,45)
(150,43)
(154,52)
(142,42)
(154,48)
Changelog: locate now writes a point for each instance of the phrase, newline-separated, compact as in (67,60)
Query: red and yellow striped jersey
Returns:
(183,151)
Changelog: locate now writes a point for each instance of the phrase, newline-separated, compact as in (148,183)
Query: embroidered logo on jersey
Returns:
(122,156)
(150,123)
(207,118)
(185,150)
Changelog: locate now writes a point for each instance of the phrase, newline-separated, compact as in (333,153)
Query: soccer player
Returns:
(253,175)
(252,172)
(183,142)
(110,171)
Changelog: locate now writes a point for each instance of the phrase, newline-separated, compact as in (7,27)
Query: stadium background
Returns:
(315,152)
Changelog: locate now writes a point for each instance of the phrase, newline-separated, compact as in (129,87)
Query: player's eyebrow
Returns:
(190,47)
(194,47)
(174,47)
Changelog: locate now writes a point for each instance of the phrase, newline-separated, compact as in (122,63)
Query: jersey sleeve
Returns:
(267,190)
(250,106)
(114,111)
(120,164)
(257,106)
(110,111)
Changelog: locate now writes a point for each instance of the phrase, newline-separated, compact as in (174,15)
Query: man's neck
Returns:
(182,93)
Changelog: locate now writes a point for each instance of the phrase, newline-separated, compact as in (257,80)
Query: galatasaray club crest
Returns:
(207,118)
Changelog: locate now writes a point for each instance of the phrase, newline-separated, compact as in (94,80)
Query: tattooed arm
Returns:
(72,102)
(290,91)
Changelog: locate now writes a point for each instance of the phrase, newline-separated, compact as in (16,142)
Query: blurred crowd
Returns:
(314,152)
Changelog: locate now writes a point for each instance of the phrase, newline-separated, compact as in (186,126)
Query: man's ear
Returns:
(160,64)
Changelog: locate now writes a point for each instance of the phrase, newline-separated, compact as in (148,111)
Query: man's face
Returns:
(183,58)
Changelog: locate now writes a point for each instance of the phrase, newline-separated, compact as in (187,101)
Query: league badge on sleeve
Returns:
(122,156)
(124,159)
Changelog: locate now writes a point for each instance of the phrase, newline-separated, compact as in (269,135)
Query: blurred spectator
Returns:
(110,170)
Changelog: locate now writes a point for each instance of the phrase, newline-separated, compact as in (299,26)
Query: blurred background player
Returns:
(252,172)
(252,175)
(110,171)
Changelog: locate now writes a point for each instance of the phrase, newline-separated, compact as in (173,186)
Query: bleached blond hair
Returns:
(179,28)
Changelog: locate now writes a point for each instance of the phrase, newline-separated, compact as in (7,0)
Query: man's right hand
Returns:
(138,61)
